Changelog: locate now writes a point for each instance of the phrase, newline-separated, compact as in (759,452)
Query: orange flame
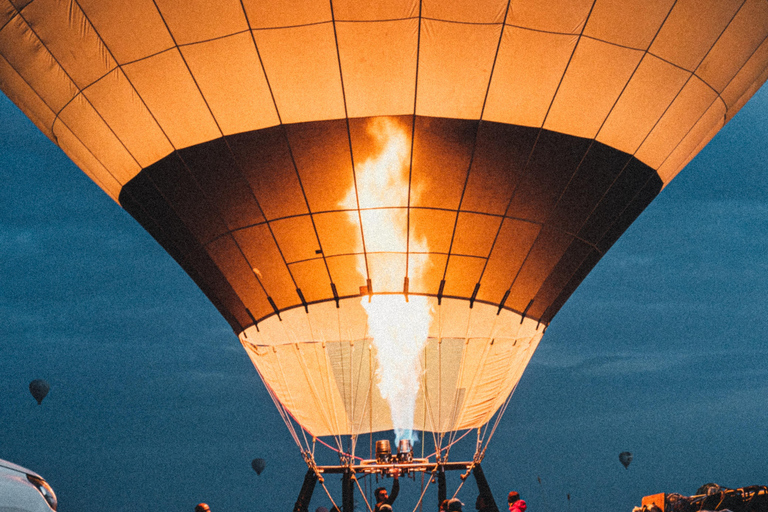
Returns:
(399,328)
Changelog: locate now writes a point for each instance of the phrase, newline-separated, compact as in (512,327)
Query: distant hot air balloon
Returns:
(625,458)
(258,465)
(39,389)
(389,202)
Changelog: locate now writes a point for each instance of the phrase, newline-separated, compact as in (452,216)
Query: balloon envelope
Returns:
(625,458)
(258,465)
(235,132)
(39,389)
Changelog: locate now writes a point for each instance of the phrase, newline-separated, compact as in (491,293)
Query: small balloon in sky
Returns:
(258,465)
(625,458)
(39,388)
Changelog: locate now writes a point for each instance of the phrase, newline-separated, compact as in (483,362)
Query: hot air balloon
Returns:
(625,458)
(389,202)
(258,465)
(39,389)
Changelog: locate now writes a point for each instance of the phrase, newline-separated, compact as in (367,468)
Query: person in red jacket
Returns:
(515,503)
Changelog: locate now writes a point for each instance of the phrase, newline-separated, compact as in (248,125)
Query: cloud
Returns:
(747,362)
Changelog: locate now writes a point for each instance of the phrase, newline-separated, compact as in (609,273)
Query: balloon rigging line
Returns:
(429,413)
(303,432)
(337,437)
(322,482)
(290,396)
(486,349)
(485,428)
(423,491)
(447,447)
(282,413)
(498,418)
(313,390)
(422,479)
(351,446)
(365,405)
(344,388)
(341,452)
(499,415)
(462,483)
(426,407)
(441,435)
(330,388)
(370,412)
(363,495)
(367,395)
(438,440)
(461,375)
(484,357)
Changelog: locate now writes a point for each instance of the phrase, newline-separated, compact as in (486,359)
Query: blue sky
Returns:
(155,406)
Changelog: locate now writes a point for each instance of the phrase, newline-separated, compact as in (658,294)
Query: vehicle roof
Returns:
(16,467)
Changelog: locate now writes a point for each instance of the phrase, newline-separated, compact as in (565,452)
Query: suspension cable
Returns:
(340,452)
(462,482)
(478,371)
(284,415)
(434,454)
(418,503)
(438,440)
(314,393)
(499,415)
(290,396)
(363,494)
(429,413)
(461,376)
(333,503)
